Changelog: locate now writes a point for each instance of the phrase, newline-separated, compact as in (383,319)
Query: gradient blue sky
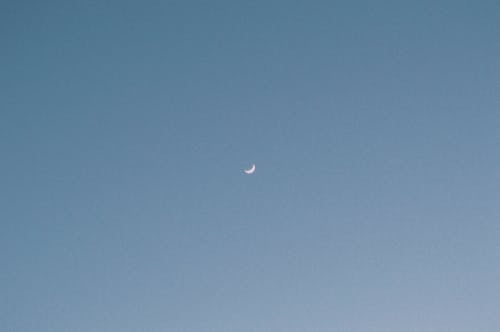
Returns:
(125,126)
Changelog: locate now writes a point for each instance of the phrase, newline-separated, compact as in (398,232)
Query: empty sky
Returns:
(124,127)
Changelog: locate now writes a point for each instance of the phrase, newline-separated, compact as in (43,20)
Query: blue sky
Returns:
(125,127)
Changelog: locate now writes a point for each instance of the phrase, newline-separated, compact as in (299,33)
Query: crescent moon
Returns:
(250,170)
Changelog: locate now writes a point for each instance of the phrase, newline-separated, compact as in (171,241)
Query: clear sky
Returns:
(125,126)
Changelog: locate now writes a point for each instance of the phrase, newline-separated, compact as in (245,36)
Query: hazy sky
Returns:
(125,126)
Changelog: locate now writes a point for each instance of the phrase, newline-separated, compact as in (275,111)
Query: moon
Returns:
(250,170)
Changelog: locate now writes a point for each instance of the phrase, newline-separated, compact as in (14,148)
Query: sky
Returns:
(125,127)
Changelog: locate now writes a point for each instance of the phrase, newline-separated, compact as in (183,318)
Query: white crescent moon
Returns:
(250,170)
